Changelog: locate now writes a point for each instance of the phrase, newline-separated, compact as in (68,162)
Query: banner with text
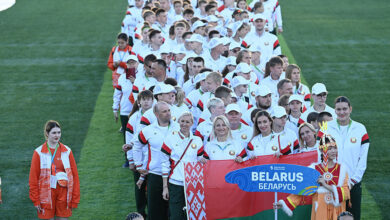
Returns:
(209,196)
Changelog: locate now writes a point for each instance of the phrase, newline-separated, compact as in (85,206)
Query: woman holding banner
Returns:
(264,141)
(179,147)
(330,199)
(222,146)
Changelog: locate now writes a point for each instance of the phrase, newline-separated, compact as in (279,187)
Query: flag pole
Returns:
(276,210)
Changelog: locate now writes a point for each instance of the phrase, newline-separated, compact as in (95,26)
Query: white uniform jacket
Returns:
(152,138)
(352,146)
(173,149)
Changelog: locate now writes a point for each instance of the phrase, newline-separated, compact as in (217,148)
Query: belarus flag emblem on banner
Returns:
(209,196)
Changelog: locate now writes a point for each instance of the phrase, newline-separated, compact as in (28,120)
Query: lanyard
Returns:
(349,125)
(53,168)
(258,69)
(224,147)
(123,55)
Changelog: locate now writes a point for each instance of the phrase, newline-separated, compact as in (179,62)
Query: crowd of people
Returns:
(206,80)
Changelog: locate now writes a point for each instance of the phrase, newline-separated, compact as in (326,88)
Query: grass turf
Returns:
(57,73)
(52,62)
(344,44)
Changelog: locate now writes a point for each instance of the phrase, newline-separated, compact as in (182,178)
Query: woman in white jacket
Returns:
(178,148)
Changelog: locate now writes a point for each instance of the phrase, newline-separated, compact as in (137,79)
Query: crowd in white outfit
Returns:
(206,80)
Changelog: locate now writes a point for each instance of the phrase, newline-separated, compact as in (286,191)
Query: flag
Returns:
(209,197)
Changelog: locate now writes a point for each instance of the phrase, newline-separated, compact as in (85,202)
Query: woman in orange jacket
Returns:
(54,181)
(116,61)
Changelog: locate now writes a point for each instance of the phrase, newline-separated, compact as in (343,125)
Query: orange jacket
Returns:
(40,172)
(110,62)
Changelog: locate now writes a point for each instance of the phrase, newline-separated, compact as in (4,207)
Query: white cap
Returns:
(279,112)
(233,94)
(201,76)
(318,88)
(214,42)
(195,38)
(239,80)
(263,90)
(236,26)
(243,68)
(295,97)
(212,18)
(226,40)
(233,45)
(259,16)
(163,88)
(231,61)
(232,107)
(131,57)
(197,24)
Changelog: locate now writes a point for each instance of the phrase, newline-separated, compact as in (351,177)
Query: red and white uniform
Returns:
(121,96)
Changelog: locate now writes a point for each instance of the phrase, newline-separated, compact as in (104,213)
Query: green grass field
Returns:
(52,66)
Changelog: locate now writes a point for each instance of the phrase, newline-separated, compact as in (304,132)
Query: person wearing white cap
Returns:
(287,139)
(234,49)
(123,90)
(222,146)
(295,103)
(152,137)
(196,43)
(239,130)
(240,88)
(194,96)
(293,72)
(257,67)
(269,43)
(240,30)
(245,71)
(263,102)
(216,107)
(199,28)
(162,93)
(214,60)
(319,95)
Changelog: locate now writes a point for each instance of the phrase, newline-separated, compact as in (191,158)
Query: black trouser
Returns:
(177,202)
(124,120)
(157,206)
(356,200)
(140,195)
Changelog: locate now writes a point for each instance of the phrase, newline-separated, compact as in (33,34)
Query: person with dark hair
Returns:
(263,102)
(190,77)
(143,79)
(54,180)
(161,22)
(324,117)
(134,216)
(156,40)
(144,103)
(188,14)
(355,143)
(345,216)
(116,61)
(271,81)
(312,119)
(330,199)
